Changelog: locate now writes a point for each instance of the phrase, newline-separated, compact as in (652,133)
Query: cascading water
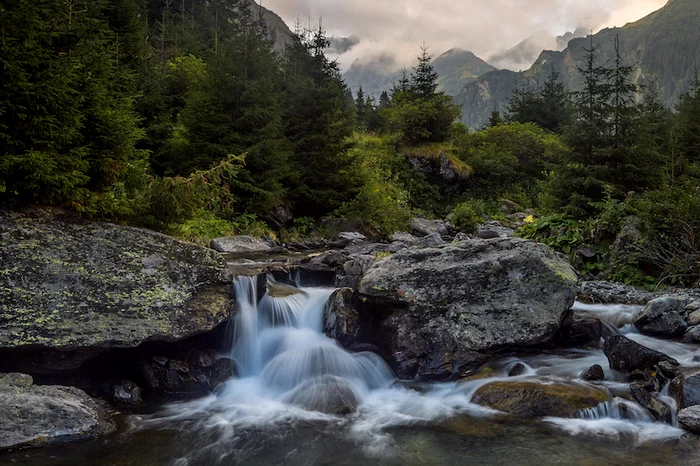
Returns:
(291,376)
(279,344)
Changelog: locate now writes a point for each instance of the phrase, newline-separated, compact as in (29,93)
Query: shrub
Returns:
(468,215)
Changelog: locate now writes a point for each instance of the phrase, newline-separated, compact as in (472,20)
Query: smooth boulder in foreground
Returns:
(33,415)
(451,307)
(534,399)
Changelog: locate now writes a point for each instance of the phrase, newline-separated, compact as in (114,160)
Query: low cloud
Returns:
(485,28)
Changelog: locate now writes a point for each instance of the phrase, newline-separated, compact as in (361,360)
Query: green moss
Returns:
(564,271)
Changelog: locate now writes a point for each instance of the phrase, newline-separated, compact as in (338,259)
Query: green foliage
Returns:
(205,226)
(381,203)
(549,106)
(508,158)
(467,216)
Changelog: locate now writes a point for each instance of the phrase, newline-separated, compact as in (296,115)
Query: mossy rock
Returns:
(69,284)
(537,398)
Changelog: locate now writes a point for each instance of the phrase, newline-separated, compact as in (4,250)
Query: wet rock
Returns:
(125,392)
(83,287)
(196,374)
(449,308)
(33,415)
(533,399)
(363,348)
(327,394)
(239,244)
(685,389)
(612,293)
(641,392)
(404,237)
(581,331)
(517,369)
(594,373)
(661,317)
(692,335)
(430,241)
(352,236)
(625,355)
(689,418)
(668,370)
(341,321)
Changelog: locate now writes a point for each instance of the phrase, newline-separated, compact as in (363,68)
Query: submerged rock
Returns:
(341,321)
(239,244)
(83,287)
(327,394)
(33,415)
(517,369)
(449,308)
(533,398)
(661,317)
(689,418)
(625,355)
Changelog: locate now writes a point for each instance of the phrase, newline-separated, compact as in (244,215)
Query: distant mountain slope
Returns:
(664,45)
(524,54)
(277,30)
(457,67)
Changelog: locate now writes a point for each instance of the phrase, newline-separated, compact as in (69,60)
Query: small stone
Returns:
(487,234)
(431,241)
(594,373)
(693,319)
(516,370)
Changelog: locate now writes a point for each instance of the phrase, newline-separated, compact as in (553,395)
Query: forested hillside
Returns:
(119,109)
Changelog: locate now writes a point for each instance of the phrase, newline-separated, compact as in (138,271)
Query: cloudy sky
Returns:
(482,26)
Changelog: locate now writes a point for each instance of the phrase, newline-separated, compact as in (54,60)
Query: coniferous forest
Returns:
(179,116)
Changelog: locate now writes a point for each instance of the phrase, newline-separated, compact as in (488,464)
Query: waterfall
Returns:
(278,342)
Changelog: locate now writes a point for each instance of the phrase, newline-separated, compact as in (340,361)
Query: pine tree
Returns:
(424,78)
(360,110)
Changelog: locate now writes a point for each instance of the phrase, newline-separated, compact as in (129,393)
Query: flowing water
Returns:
(295,387)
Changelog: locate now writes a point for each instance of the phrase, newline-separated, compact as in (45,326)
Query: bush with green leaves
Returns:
(467,216)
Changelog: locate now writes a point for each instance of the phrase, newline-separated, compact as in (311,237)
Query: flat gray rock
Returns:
(239,244)
(33,415)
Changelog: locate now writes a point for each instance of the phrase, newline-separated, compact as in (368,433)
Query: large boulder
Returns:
(239,244)
(661,317)
(341,321)
(33,415)
(421,227)
(82,287)
(533,399)
(450,308)
(625,355)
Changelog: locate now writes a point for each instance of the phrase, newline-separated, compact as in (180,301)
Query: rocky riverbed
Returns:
(98,318)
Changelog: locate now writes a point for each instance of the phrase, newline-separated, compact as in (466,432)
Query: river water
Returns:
(289,372)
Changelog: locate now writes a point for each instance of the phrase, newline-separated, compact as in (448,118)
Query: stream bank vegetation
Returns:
(182,118)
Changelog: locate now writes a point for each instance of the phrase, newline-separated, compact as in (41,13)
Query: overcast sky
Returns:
(482,26)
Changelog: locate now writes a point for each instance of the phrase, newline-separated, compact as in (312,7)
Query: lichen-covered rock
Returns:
(341,321)
(661,317)
(239,244)
(625,355)
(449,308)
(421,227)
(613,293)
(533,399)
(67,284)
(39,415)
